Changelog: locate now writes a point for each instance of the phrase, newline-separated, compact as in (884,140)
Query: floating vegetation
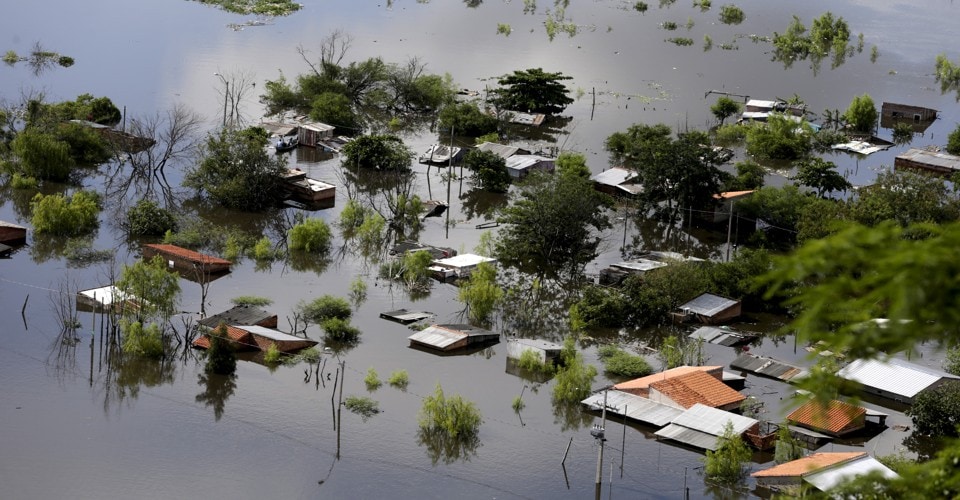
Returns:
(874,54)
(362,405)
(252,22)
(558,23)
(689,24)
(703,5)
(681,41)
(666,3)
(399,379)
(669,25)
(641,7)
(707,43)
(259,7)
(729,46)
(529,6)
(39,59)
(731,14)
(828,36)
(503,29)
(948,75)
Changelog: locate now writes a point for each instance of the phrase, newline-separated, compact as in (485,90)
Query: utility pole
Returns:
(598,433)
(729,229)
(449,175)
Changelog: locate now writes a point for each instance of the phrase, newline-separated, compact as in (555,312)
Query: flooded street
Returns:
(78,426)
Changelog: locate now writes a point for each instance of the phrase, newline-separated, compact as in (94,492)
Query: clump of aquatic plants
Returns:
(311,236)
(451,416)
(731,14)
(65,216)
(948,74)
(139,340)
(260,7)
(372,380)
(530,361)
(681,41)
(272,356)
(575,377)
(362,405)
(399,379)
(251,300)
(828,36)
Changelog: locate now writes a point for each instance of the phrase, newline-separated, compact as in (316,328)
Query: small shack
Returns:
(12,233)
(708,309)
(767,367)
(633,407)
(520,166)
(405,317)
(529,119)
(617,181)
(186,260)
(641,386)
(932,162)
(834,418)
(905,113)
(452,337)
(458,266)
(693,388)
(436,252)
(546,352)
(241,315)
(701,425)
(616,273)
(502,150)
(314,133)
(821,471)
(266,338)
(240,340)
(722,336)
(895,379)
(105,298)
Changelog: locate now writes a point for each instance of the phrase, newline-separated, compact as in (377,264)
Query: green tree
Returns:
(451,416)
(220,357)
(41,155)
(313,235)
(731,14)
(621,363)
(489,170)
(953,141)
(750,176)
(141,341)
(724,108)
(146,218)
(335,109)
(380,152)
(575,377)
(552,229)
(533,91)
(155,290)
(466,119)
(936,412)
(572,164)
(481,293)
(905,197)
(65,216)
(727,464)
(862,115)
(951,364)
(325,307)
(780,138)
(820,175)
(237,171)
(787,448)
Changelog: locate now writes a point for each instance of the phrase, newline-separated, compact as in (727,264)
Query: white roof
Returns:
(711,420)
(463,260)
(760,103)
(636,407)
(828,477)
(894,375)
(269,333)
(523,162)
(106,295)
(861,147)
(709,304)
(641,265)
(613,176)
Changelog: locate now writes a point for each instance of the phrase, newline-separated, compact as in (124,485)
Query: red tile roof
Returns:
(188,254)
(235,334)
(643,383)
(834,417)
(808,464)
(698,387)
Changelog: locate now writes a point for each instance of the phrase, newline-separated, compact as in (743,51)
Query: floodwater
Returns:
(75,426)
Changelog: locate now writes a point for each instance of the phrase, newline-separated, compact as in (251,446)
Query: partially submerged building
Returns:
(894,379)
(633,407)
(917,117)
(11,233)
(105,298)
(821,471)
(186,260)
(641,386)
(257,338)
(617,181)
(546,352)
(722,336)
(452,337)
(834,418)
(767,367)
(696,387)
(520,166)
(931,162)
(708,309)
(241,315)
(701,425)
(458,266)
(502,150)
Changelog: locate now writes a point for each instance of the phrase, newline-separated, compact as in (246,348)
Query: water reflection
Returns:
(441,446)
(478,202)
(127,374)
(217,389)
(570,416)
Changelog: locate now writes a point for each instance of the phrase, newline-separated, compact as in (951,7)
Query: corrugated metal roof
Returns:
(709,304)
(613,176)
(895,376)
(767,366)
(641,265)
(711,420)
(443,336)
(12,225)
(238,315)
(404,316)
(692,437)
(463,260)
(542,345)
(106,295)
(501,150)
(828,477)
(271,334)
(523,162)
(637,408)
(942,160)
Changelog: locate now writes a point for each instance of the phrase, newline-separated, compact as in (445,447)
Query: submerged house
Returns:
(502,150)
(633,407)
(617,181)
(314,133)
(186,260)
(918,117)
(835,418)
(894,378)
(641,386)
(708,309)
(696,387)
(258,338)
(932,162)
(520,166)
(458,266)
(105,298)
(821,471)
(546,352)
(12,233)
(701,425)
(767,367)
(241,315)
(452,337)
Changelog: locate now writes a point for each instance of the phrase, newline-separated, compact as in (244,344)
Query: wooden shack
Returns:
(241,315)
(12,233)
(452,337)
(184,260)
(906,112)
(314,133)
(708,309)
(931,162)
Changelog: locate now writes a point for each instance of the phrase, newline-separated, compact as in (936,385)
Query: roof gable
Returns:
(697,387)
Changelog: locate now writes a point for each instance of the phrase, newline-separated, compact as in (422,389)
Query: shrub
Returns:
(731,14)
(339,329)
(787,447)
(358,290)
(726,464)
(399,379)
(574,379)
(139,341)
(953,141)
(251,300)
(518,404)
(640,7)
(352,215)
(146,218)
(263,249)
(481,292)
(272,356)
(936,412)
(59,215)
(372,380)
(312,236)
(362,405)
(42,156)
(531,362)
(220,357)
(326,307)
(623,364)
(18,181)
(452,416)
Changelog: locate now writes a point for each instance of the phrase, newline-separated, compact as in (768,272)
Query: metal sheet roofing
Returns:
(443,336)
(613,176)
(942,160)
(636,407)
(238,315)
(543,345)
(641,265)
(270,333)
(721,336)
(691,437)
(895,376)
(711,420)
(523,162)
(828,477)
(501,150)
(709,304)
(463,260)
(767,366)
(106,295)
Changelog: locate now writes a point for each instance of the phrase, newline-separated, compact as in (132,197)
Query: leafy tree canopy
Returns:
(533,91)
(862,115)
(820,175)
(380,152)
(489,170)
(466,118)
(953,141)
(724,108)
(937,412)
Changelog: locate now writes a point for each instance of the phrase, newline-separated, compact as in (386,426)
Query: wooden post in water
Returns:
(565,452)
(594,105)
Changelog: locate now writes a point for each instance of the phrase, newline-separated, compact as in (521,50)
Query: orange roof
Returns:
(726,195)
(643,383)
(808,464)
(697,387)
(188,254)
(834,417)
(233,333)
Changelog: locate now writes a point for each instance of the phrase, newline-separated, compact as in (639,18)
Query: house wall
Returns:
(722,316)
(904,111)
(923,167)
(777,482)
(183,263)
(8,233)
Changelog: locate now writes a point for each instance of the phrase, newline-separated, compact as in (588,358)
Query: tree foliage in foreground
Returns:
(936,412)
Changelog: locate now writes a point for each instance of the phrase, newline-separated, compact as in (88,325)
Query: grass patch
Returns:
(681,41)
(518,404)
(251,300)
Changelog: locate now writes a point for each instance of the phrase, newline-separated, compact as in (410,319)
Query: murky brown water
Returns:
(74,427)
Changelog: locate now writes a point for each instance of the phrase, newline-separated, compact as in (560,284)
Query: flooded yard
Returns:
(77,425)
